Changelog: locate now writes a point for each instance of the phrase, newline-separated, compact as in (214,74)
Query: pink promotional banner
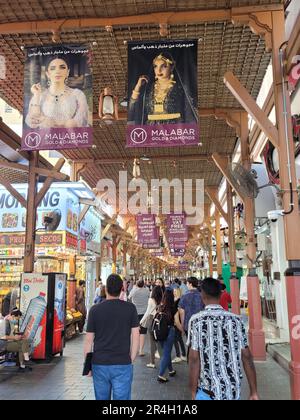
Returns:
(58,98)
(183,265)
(163,94)
(148,233)
(176,228)
(159,253)
(177,252)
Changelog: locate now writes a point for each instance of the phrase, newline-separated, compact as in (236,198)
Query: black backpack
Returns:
(159,328)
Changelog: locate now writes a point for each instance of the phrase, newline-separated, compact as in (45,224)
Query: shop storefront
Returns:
(53,249)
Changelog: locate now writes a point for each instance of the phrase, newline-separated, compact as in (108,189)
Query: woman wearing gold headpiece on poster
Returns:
(58,105)
(164,100)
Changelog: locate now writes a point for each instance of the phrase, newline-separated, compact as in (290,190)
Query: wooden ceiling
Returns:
(222,47)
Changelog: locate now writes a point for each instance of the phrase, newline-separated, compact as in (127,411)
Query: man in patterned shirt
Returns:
(218,346)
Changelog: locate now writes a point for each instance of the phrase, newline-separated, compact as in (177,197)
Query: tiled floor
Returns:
(62,380)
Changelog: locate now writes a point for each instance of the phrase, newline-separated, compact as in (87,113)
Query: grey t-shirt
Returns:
(139,297)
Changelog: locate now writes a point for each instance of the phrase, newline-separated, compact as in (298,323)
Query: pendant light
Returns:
(108,106)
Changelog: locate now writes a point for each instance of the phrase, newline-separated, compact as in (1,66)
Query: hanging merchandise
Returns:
(162,85)
(271,158)
(58,98)
(296,128)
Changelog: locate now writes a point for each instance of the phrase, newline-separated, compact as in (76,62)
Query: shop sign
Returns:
(12,252)
(42,239)
(49,239)
(82,245)
(13,216)
(71,241)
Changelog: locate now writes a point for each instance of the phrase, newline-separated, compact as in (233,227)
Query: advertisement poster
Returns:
(183,265)
(148,233)
(163,94)
(33,305)
(177,252)
(90,232)
(177,229)
(60,200)
(58,98)
(59,312)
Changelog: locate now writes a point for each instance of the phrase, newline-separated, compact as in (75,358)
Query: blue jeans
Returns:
(112,382)
(166,361)
(201,396)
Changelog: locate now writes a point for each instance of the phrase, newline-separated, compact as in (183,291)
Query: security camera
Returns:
(254,173)
(275,214)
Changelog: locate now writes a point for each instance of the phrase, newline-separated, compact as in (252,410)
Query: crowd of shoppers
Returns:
(192,318)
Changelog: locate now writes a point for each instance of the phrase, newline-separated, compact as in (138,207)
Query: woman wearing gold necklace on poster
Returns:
(163,101)
(58,105)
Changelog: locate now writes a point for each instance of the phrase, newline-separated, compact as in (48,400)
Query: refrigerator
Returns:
(43,305)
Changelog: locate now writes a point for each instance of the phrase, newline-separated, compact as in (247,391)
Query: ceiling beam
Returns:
(47,184)
(168,18)
(11,139)
(171,158)
(83,213)
(15,166)
(213,195)
(203,112)
(13,191)
(249,104)
(41,171)
(51,174)
(222,164)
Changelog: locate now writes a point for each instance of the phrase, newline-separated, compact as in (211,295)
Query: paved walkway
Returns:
(62,380)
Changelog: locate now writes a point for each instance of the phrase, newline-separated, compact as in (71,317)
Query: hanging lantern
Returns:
(108,106)
(136,169)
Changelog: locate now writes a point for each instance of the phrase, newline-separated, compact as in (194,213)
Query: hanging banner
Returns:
(159,253)
(176,228)
(148,233)
(58,98)
(163,94)
(180,252)
(183,265)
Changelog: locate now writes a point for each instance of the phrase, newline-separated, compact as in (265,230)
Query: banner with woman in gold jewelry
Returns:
(163,94)
(58,98)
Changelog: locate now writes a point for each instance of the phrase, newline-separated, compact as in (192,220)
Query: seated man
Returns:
(13,341)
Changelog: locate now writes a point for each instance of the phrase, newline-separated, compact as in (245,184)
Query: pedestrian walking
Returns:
(191,303)
(178,343)
(139,296)
(80,304)
(218,345)
(113,334)
(146,322)
(167,308)
(225,300)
